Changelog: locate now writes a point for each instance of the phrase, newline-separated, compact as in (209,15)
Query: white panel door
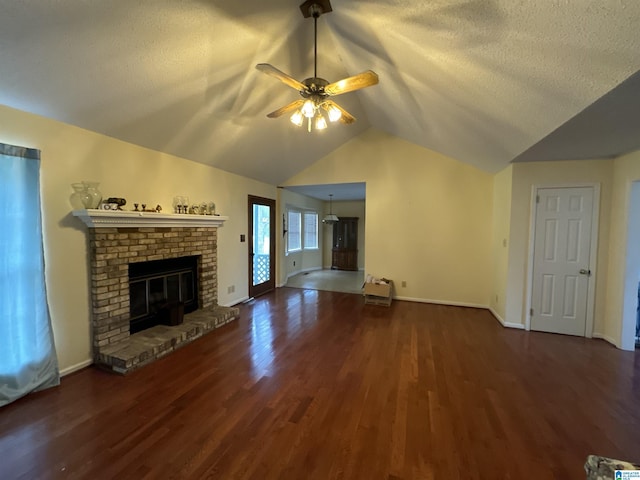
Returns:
(561,269)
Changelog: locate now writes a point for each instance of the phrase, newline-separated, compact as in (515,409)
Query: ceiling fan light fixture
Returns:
(321,123)
(334,113)
(297,118)
(308,109)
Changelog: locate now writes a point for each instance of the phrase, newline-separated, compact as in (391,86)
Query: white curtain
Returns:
(28,359)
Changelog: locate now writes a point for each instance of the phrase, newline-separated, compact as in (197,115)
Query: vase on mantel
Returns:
(94,196)
(79,198)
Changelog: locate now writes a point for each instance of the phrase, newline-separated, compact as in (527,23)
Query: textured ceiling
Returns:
(607,128)
(479,80)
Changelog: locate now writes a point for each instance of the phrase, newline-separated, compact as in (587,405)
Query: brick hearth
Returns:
(112,250)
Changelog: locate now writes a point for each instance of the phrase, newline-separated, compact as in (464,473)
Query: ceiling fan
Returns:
(315,103)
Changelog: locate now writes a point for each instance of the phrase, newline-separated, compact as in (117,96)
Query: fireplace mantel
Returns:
(95,218)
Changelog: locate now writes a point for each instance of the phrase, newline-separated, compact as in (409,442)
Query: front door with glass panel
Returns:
(262,245)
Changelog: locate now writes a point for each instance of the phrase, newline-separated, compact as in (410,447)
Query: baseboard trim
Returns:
(235,302)
(76,367)
(440,302)
(606,338)
(498,317)
(517,326)
(504,323)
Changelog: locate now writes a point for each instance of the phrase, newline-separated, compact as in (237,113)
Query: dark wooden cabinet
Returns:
(345,244)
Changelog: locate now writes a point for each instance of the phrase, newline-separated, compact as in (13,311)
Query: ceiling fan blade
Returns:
(362,80)
(286,109)
(280,75)
(346,117)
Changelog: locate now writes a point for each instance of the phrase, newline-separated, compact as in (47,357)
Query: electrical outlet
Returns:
(404,283)
(231,289)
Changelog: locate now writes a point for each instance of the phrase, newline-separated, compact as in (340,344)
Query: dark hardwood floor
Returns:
(315,385)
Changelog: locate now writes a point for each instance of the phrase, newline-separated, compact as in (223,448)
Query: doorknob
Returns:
(585,271)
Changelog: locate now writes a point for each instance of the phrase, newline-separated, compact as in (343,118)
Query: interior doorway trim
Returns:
(593,252)
(631,269)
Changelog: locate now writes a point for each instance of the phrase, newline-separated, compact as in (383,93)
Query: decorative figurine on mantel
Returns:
(181,204)
(157,209)
(121,202)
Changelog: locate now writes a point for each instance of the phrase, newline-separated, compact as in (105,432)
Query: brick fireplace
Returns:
(118,239)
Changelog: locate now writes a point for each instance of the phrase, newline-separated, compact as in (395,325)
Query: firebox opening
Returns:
(158,285)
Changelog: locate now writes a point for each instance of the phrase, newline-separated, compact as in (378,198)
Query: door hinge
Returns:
(531,312)
(537,198)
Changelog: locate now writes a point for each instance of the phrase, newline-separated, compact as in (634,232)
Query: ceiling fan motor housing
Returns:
(315,8)
(315,86)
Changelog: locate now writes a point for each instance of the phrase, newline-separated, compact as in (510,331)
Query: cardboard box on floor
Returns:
(378,293)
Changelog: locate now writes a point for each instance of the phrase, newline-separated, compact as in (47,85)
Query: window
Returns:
(310,230)
(294,243)
(27,354)
(302,231)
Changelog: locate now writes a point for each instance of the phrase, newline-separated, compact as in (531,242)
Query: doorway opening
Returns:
(631,302)
(333,266)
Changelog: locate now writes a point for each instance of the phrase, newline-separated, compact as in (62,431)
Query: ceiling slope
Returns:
(479,80)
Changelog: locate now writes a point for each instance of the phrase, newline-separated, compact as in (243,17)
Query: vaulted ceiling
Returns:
(479,80)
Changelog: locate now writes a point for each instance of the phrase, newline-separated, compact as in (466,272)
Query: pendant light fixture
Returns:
(330,219)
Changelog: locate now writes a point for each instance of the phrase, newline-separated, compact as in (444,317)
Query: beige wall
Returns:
(344,209)
(428,217)
(525,177)
(71,154)
(432,221)
(500,242)
(306,260)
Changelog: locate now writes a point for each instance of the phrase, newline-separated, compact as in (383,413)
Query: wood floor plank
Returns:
(317,385)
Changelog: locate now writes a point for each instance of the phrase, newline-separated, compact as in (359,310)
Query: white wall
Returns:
(71,154)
